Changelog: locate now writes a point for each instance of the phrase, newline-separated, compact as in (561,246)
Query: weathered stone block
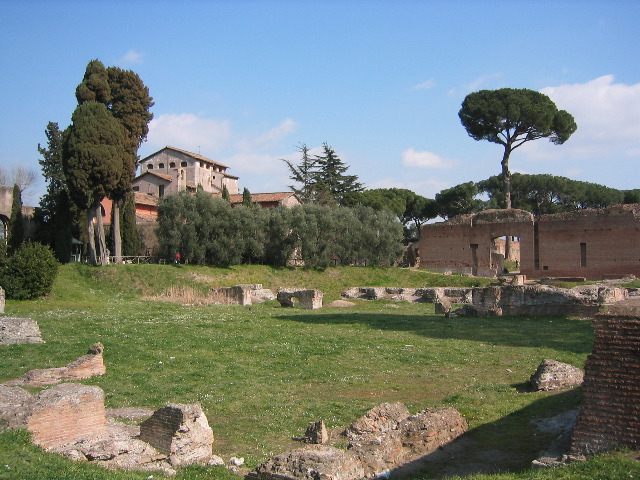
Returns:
(315,462)
(554,375)
(316,433)
(181,432)
(19,330)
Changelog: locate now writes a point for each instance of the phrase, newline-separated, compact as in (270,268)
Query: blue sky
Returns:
(245,82)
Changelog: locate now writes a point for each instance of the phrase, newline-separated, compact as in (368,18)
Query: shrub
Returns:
(29,272)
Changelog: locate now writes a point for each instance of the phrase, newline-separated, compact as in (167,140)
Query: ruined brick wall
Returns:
(67,413)
(610,411)
(465,244)
(585,243)
(589,243)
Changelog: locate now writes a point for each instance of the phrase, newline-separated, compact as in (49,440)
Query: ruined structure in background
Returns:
(594,244)
(307,298)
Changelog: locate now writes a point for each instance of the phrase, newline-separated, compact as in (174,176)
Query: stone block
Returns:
(181,432)
(19,330)
(315,462)
(316,433)
(554,375)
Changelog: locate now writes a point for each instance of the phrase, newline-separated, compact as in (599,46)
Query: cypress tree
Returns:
(16,222)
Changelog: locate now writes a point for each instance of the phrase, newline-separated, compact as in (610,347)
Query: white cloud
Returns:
(426,85)
(271,138)
(131,58)
(414,158)
(608,119)
(189,132)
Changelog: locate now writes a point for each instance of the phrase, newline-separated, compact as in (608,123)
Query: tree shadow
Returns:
(508,445)
(559,333)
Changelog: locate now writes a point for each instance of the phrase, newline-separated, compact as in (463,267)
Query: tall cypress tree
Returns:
(92,161)
(129,103)
(16,222)
(57,218)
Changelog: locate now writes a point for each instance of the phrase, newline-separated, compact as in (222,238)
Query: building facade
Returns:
(171,170)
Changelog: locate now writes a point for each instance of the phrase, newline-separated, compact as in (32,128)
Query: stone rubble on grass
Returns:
(554,375)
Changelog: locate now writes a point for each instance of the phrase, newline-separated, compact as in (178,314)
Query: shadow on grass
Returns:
(508,445)
(558,333)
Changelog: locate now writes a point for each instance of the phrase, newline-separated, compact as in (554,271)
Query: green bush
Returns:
(29,272)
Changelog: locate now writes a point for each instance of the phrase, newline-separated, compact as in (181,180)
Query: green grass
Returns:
(263,372)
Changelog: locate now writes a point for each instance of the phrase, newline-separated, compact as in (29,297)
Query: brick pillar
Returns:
(610,413)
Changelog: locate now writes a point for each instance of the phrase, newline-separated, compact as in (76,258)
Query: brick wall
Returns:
(610,411)
(585,243)
(67,413)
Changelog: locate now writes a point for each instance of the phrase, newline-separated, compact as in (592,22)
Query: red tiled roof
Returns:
(196,156)
(151,172)
(257,197)
(145,199)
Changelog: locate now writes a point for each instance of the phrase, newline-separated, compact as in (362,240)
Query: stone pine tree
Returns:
(16,222)
(129,103)
(511,117)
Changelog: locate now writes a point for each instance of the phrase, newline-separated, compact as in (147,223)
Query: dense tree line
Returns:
(206,230)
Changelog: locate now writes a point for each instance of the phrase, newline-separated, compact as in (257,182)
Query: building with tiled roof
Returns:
(172,170)
(266,200)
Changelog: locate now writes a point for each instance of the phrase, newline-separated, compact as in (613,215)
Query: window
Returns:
(161,165)
(183,164)
(136,188)
(150,166)
(161,190)
(172,165)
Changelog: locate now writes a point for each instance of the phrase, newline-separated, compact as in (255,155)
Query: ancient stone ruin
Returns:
(18,330)
(240,294)
(307,298)
(86,366)
(385,438)
(181,432)
(501,300)
(316,433)
(554,375)
(609,413)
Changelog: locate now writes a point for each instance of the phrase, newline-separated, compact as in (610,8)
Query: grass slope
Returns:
(263,372)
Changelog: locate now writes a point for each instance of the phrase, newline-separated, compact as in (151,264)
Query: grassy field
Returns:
(263,372)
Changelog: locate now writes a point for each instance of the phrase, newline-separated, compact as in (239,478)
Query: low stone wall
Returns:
(610,413)
(18,330)
(86,366)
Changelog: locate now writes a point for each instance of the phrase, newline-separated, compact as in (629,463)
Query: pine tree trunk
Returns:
(115,230)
